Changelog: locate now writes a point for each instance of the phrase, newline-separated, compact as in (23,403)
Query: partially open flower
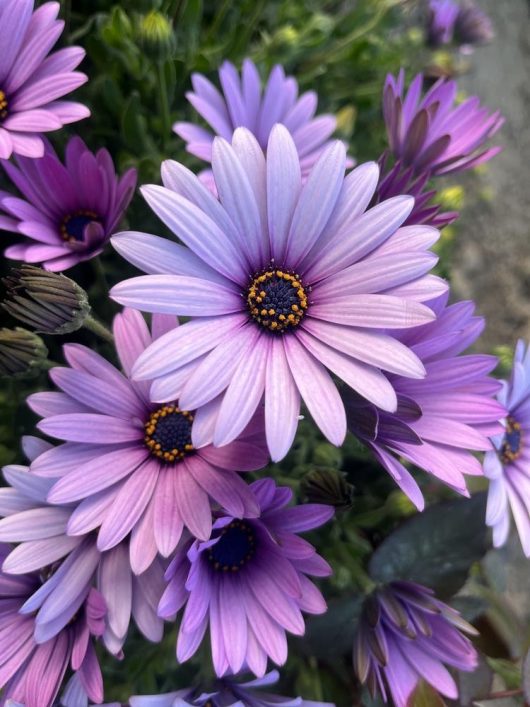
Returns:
(48,302)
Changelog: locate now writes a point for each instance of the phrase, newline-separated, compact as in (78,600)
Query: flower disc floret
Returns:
(277,300)
(168,433)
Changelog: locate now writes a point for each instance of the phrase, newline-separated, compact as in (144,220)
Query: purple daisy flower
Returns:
(31,82)
(508,465)
(40,530)
(284,283)
(441,21)
(248,583)
(130,465)
(472,25)
(68,211)
(32,670)
(227,693)
(243,103)
(405,635)
(431,135)
(445,418)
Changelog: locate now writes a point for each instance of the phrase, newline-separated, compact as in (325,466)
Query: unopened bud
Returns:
(22,353)
(329,486)
(156,35)
(48,302)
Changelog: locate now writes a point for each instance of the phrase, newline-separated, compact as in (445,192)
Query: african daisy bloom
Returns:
(32,80)
(129,465)
(443,419)
(68,212)
(441,21)
(243,103)
(284,283)
(31,671)
(508,465)
(405,635)
(227,693)
(430,133)
(40,531)
(248,583)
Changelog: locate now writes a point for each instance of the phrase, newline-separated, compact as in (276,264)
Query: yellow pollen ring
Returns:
(277,300)
(155,447)
(3,105)
(64,225)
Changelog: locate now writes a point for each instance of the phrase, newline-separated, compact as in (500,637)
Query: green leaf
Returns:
(435,548)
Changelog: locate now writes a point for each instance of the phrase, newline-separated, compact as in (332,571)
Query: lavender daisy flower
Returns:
(40,530)
(32,80)
(227,693)
(431,135)
(68,211)
(243,103)
(31,670)
(129,465)
(472,25)
(445,418)
(248,583)
(441,21)
(284,283)
(508,465)
(405,635)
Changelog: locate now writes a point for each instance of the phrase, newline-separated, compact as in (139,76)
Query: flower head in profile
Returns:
(285,283)
(405,635)
(508,465)
(32,668)
(432,134)
(472,26)
(33,81)
(227,692)
(67,211)
(443,419)
(441,21)
(129,465)
(249,583)
(70,566)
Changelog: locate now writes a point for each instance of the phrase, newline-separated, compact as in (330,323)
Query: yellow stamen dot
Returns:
(3,105)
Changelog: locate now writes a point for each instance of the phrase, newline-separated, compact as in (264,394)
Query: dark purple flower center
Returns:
(73,225)
(168,433)
(511,444)
(3,105)
(235,547)
(277,300)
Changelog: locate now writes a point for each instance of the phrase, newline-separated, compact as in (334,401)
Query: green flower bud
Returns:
(329,486)
(22,353)
(156,35)
(48,302)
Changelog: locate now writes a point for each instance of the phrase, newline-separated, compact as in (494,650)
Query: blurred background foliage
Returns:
(140,55)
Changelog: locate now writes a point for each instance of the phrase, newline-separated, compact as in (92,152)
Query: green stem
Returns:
(99,272)
(98,328)
(164,103)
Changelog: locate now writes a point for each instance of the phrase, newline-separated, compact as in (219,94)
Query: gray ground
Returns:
(491,261)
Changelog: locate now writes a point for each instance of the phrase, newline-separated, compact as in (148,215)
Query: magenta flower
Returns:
(243,103)
(445,418)
(129,465)
(284,283)
(32,670)
(40,530)
(32,80)
(432,135)
(508,465)
(405,635)
(226,693)
(441,21)
(68,211)
(248,583)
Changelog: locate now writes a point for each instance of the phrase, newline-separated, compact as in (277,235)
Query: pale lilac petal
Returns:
(282,402)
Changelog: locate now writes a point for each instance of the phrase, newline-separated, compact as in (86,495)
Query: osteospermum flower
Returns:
(32,80)
(441,21)
(40,531)
(430,133)
(242,103)
(31,670)
(130,465)
(69,211)
(284,283)
(248,583)
(226,693)
(443,419)
(405,635)
(508,465)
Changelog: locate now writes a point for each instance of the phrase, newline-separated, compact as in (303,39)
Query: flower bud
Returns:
(329,486)
(156,35)
(22,353)
(49,302)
